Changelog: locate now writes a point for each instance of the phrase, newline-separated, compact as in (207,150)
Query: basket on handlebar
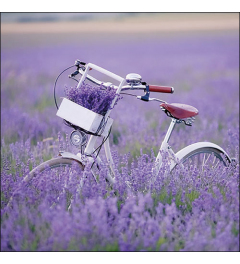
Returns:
(86,107)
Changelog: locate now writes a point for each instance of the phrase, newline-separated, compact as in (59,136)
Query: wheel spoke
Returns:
(216,165)
(205,161)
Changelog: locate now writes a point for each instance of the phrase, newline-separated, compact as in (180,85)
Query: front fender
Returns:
(69,155)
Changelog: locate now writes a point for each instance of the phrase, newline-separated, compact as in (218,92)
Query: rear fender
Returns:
(183,152)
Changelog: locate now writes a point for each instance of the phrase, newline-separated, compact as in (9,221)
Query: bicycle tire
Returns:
(53,163)
(34,178)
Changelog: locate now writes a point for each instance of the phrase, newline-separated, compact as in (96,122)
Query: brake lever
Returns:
(73,74)
(80,65)
(151,99)
(146,96)
(158,100)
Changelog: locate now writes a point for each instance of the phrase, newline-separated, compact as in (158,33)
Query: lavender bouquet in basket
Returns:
(95,98)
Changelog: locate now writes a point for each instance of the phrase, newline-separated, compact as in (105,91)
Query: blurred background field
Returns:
(40,28)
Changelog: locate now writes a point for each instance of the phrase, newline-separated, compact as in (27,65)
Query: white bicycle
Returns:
(89,126)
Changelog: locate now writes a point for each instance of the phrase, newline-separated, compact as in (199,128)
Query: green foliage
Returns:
(108,248)
(190,197)
(160,242)
(43,103)
(116,136)
(235,229)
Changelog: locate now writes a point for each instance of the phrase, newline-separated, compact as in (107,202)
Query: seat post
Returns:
(169,132)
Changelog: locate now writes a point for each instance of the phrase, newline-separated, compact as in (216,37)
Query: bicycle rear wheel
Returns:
(205,157)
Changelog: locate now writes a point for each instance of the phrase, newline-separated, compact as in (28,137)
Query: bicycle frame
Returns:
(92,141)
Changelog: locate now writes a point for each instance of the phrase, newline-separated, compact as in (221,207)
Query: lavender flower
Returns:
(98,99)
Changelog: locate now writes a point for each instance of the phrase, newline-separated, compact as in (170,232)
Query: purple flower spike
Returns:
(97,99)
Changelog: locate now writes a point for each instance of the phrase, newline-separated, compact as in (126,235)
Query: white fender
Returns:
(69,155)
(183,152)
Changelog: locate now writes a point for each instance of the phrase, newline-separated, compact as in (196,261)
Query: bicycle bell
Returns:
(133,79)
(78,138)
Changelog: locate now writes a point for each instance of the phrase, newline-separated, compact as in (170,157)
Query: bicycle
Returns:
(86,123)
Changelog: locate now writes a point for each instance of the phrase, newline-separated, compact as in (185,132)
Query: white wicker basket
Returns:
(83,117)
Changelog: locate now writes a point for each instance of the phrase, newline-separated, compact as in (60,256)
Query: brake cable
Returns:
(128,94)
(54,88)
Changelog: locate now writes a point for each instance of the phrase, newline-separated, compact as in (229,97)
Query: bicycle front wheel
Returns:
(54,181)
(58,164)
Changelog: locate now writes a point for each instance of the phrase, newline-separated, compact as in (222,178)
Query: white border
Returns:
(121,257)
(121,6)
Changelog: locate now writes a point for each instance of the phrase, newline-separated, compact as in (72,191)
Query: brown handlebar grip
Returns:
(161,89)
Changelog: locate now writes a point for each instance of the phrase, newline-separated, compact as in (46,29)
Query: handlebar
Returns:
(161,89)
(140,86)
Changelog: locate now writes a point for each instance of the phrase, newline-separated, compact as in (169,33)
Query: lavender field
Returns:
(183,211)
